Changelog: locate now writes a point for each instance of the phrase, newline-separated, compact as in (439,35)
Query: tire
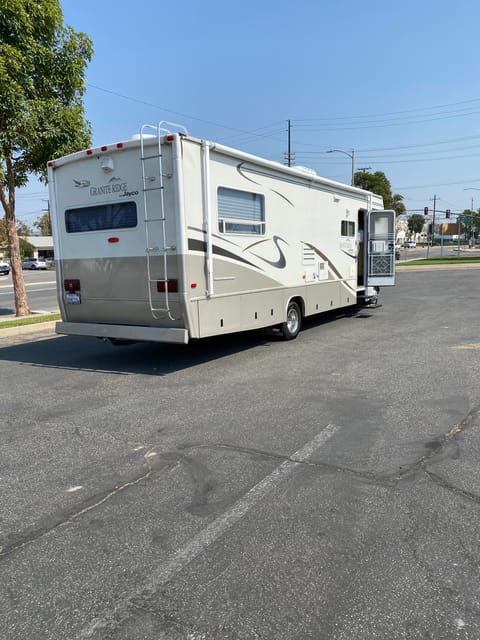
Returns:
(291,327)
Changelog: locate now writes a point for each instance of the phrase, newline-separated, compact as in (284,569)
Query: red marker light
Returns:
(119,145)
(89,152)
(170,137)
(113,239)
(50,163)
(104,148)
(193,285)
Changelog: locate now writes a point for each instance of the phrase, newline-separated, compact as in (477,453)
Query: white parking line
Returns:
(181,558)
(29,284)
(9,293)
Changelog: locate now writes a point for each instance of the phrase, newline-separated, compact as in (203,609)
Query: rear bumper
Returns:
(122,332)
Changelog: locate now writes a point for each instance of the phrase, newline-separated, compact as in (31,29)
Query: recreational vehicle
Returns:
(167,238)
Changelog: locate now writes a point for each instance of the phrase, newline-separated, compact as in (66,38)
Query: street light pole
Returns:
(351,156)
(432,235)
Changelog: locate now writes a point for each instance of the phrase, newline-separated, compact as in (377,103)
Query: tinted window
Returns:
(348,228)
(118,215)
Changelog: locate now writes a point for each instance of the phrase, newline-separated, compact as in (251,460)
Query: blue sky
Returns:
(398,82)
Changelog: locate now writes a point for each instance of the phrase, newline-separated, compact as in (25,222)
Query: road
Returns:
(243,487)
(431,252)
(41,293)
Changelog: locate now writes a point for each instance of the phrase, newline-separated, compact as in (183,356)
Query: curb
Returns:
(434,267)
(39,329)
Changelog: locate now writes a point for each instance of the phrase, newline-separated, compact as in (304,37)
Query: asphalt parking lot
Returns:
(244,487)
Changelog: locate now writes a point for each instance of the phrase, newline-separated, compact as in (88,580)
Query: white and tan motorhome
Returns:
(168,238)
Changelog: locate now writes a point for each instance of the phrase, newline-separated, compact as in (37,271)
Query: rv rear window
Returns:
(118,215)
(348,228)
(240,212)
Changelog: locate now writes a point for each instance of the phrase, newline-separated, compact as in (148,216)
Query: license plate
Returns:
(72,298)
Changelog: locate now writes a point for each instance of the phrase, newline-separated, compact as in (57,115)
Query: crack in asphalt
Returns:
(69,516)
(385,479)
(171,459)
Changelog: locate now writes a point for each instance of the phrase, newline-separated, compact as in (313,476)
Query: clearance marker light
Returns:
(89,152)
(170,137)
(193,285)
(119,145)
(104,148)
(113,239)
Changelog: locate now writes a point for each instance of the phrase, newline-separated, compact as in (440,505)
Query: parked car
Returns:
(410,244)
(34,263)
(4,268)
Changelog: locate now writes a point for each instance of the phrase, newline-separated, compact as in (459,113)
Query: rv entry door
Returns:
(380,249)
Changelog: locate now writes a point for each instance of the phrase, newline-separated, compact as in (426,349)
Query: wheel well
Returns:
(300,302)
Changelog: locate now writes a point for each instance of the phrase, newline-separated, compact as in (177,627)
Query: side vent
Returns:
(308,255)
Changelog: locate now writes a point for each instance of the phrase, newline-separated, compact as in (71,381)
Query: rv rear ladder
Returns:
(156,204)
(152,164)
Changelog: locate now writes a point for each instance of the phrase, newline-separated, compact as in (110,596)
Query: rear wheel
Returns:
(291,327)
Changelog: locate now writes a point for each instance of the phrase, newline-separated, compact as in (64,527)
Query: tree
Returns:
(22,230)
(42,66)
(44,224)
(378,183)
(415,223)
(471,224)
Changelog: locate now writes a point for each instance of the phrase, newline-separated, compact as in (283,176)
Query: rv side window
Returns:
(348,228)
(240,211)
(118,215)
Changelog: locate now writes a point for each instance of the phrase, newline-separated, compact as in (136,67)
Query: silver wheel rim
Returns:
(292,321)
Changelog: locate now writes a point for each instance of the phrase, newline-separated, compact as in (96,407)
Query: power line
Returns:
(391,113)
(178,113)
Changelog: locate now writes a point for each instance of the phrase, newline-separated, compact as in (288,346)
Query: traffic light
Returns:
(447,213)
(425,211)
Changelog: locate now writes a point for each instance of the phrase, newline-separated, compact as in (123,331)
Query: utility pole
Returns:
(289,156)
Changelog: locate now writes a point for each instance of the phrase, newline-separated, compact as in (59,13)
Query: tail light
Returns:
(71,286)
(72,291)
(167,285)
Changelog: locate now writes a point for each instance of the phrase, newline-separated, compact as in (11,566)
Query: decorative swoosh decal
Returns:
(278,264)
(324,257)
(350,255)
(240,171)
(200,245)
(214,235)
(330,265)
(282,196)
